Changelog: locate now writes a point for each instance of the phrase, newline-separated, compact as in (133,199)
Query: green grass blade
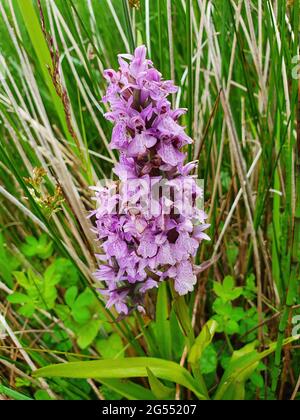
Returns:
(42,52)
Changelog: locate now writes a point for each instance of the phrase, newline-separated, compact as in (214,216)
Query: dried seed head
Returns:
(37,178)
(135,4)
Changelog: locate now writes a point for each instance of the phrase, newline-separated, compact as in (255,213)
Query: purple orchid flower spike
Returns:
(145,244)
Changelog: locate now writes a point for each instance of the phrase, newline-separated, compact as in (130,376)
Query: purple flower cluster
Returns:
(142,249)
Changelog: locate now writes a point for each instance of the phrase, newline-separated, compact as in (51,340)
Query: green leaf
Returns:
(81,314)
(242,365)
(87,333)
(18,298)
(29,249)
(110,347)
(257,380)
(226,291)
(49,297)
(51,277)
(84,306)
(63,312)
(202,341)
(22,382)
(42,395)
(160,391)
(231,327)
(209,360)
(86,298)
(59,339)
(183,317)
(70,296)
(162,324)
(8,263)
(218,289)
(13,394)
(178,339)
(250,290)
(67,271)
(38,247)
(222,308)
(237,313)
(128,389)
(22,279)
(27,310)
(134,367)
(232,253)
(228,283)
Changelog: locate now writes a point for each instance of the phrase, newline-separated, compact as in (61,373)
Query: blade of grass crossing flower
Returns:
(160,29)
(89,170)
(85,30)
(147,23)
(171,45)
(190,75)
(128,25)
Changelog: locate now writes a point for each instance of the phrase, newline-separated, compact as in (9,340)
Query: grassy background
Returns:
(236,66)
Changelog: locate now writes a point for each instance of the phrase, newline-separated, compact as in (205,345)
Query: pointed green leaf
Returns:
(124,368)
(22,279)
(18,298)
(202,341)
(161,391)
(242,365)
(128,389)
